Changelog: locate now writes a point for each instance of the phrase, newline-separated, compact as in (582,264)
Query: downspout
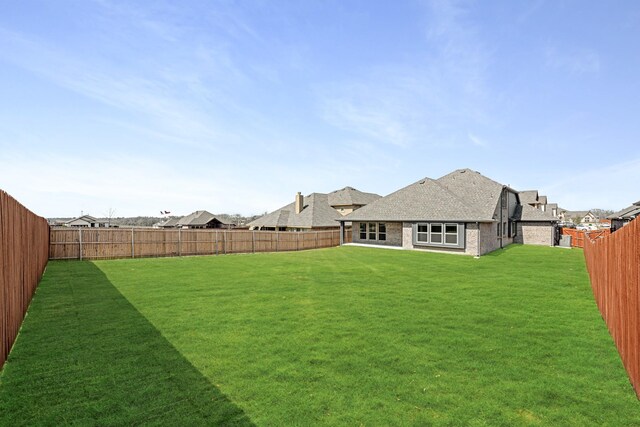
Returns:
(501,210)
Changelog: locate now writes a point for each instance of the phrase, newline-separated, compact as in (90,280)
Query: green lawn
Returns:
(341,336)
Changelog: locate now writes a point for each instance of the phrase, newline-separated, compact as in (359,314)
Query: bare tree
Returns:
(110,214)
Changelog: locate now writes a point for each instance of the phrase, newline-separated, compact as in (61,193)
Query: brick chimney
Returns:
(299,202)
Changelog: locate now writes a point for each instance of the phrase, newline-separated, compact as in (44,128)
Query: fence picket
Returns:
(614,269)
(24,251)
(107,243)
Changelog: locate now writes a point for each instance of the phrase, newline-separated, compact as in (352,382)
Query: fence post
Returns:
(80,242)
(298,241)
(216,242)
(224,241)
(133,249)
(316,240)
(253,242)
(277,240)
(179,243)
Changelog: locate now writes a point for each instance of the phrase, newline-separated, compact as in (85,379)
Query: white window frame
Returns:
(450,234)
(432,234)
(425,233)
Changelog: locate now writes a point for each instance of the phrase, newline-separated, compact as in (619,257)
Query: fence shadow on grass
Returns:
(85,355)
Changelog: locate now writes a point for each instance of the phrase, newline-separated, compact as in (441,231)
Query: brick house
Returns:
(462,212)
(623,217)
(85,221)
(535,200)
(580,217)
(199,219)
(317,211)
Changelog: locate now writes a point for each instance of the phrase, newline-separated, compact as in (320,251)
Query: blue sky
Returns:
(235,106)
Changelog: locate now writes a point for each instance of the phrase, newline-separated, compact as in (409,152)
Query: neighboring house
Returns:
(169,223)
(462,212)
(85,221)
(201,219)
(581,217)
(532,198)
(349,199)
(318,211)
(534,227)
(623,217)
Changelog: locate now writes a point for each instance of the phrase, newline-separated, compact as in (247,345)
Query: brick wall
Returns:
(407,241)
(535,233)
(394,235)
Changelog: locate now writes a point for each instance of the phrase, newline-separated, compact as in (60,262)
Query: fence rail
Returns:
(105,243)
(24,250)
(614,269)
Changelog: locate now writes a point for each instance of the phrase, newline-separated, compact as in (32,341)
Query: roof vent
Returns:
(463,171)
(422,182)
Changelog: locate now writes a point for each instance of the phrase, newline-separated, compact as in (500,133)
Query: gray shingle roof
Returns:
(171,222)
(87,218)
(529,213)
(197,218)
(627,213)
(463,195)
(349,196)
(528,196)
(315,213)
(474,188)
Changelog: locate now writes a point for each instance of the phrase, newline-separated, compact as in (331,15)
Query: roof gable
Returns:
(349,196)
(528,196)
(316,212)
(197,218)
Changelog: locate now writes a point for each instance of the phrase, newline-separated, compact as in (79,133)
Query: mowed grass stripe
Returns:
(364,336)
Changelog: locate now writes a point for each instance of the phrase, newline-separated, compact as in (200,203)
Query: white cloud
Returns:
(476,140)
(440,90)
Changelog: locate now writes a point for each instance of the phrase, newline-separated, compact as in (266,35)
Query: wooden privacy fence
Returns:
(24,250)
(578,236)
(106,243)
(614,269)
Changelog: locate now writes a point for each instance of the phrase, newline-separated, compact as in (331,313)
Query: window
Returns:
(451,234)
(505,230)
(435,236)
(499,231)
(382,231)
(372,231)
(422,233)
(514,229)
